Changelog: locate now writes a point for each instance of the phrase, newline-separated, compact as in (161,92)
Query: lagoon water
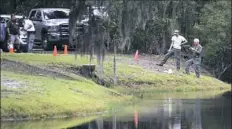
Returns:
(210,113)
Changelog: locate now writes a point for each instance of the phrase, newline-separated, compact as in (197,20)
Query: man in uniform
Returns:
(13,30)
(175,49)
(196,60)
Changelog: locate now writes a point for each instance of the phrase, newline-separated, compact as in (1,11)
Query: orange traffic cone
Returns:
(55,51)
(11,48)
(65,49)
(136,56)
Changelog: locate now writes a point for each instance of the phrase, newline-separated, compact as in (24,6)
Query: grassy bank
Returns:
(41,97)
(39,94)
(129,72)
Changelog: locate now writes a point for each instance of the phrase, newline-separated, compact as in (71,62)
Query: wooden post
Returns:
(78,40)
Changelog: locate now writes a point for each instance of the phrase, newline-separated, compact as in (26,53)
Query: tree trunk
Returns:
(1,6)
(164,29)
(164,42)
(90,38)
(115,73)
(186,24)
(13,5)
(173,23)
(223,71)
(75,15)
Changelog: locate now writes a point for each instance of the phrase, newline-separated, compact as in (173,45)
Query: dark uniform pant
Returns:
(196,62)
(176,53)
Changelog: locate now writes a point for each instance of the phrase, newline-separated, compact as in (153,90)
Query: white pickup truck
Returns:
(52,26)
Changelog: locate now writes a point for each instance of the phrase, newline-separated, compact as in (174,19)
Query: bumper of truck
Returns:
(58,38)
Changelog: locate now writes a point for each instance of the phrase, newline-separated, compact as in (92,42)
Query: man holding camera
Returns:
(196,60)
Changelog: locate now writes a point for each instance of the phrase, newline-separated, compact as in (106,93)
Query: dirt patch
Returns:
(8,87)
(149,62)
(19,67)
(9,83)
(69,69)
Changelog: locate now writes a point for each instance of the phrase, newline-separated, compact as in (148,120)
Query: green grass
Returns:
(132,75)
(143,80)
(46,97)
(42,97)
(46,59)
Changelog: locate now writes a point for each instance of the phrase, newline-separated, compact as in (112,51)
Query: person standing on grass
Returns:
(196,60)
(29,27)
(12,30)
(175,49)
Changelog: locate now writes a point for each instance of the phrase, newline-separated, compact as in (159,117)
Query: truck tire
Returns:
(24,48)
(45,44)
(59,47)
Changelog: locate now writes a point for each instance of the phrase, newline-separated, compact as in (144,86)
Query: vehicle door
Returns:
(33,19)
(38,22)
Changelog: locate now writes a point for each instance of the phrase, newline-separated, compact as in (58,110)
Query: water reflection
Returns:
(136,119)
(171,114)
(150,114)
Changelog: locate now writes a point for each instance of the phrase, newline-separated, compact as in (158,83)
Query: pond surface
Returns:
(213,113)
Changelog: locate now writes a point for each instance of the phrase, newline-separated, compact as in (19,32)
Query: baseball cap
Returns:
(176,32)
(196,40)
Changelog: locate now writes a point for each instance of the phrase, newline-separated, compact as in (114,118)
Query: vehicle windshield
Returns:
(56,14)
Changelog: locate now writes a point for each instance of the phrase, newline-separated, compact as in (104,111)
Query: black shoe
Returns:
(159,64)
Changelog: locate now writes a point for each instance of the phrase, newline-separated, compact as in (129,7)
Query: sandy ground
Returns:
(149,62)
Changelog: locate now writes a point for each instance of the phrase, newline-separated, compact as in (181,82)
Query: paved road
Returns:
(38,49)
